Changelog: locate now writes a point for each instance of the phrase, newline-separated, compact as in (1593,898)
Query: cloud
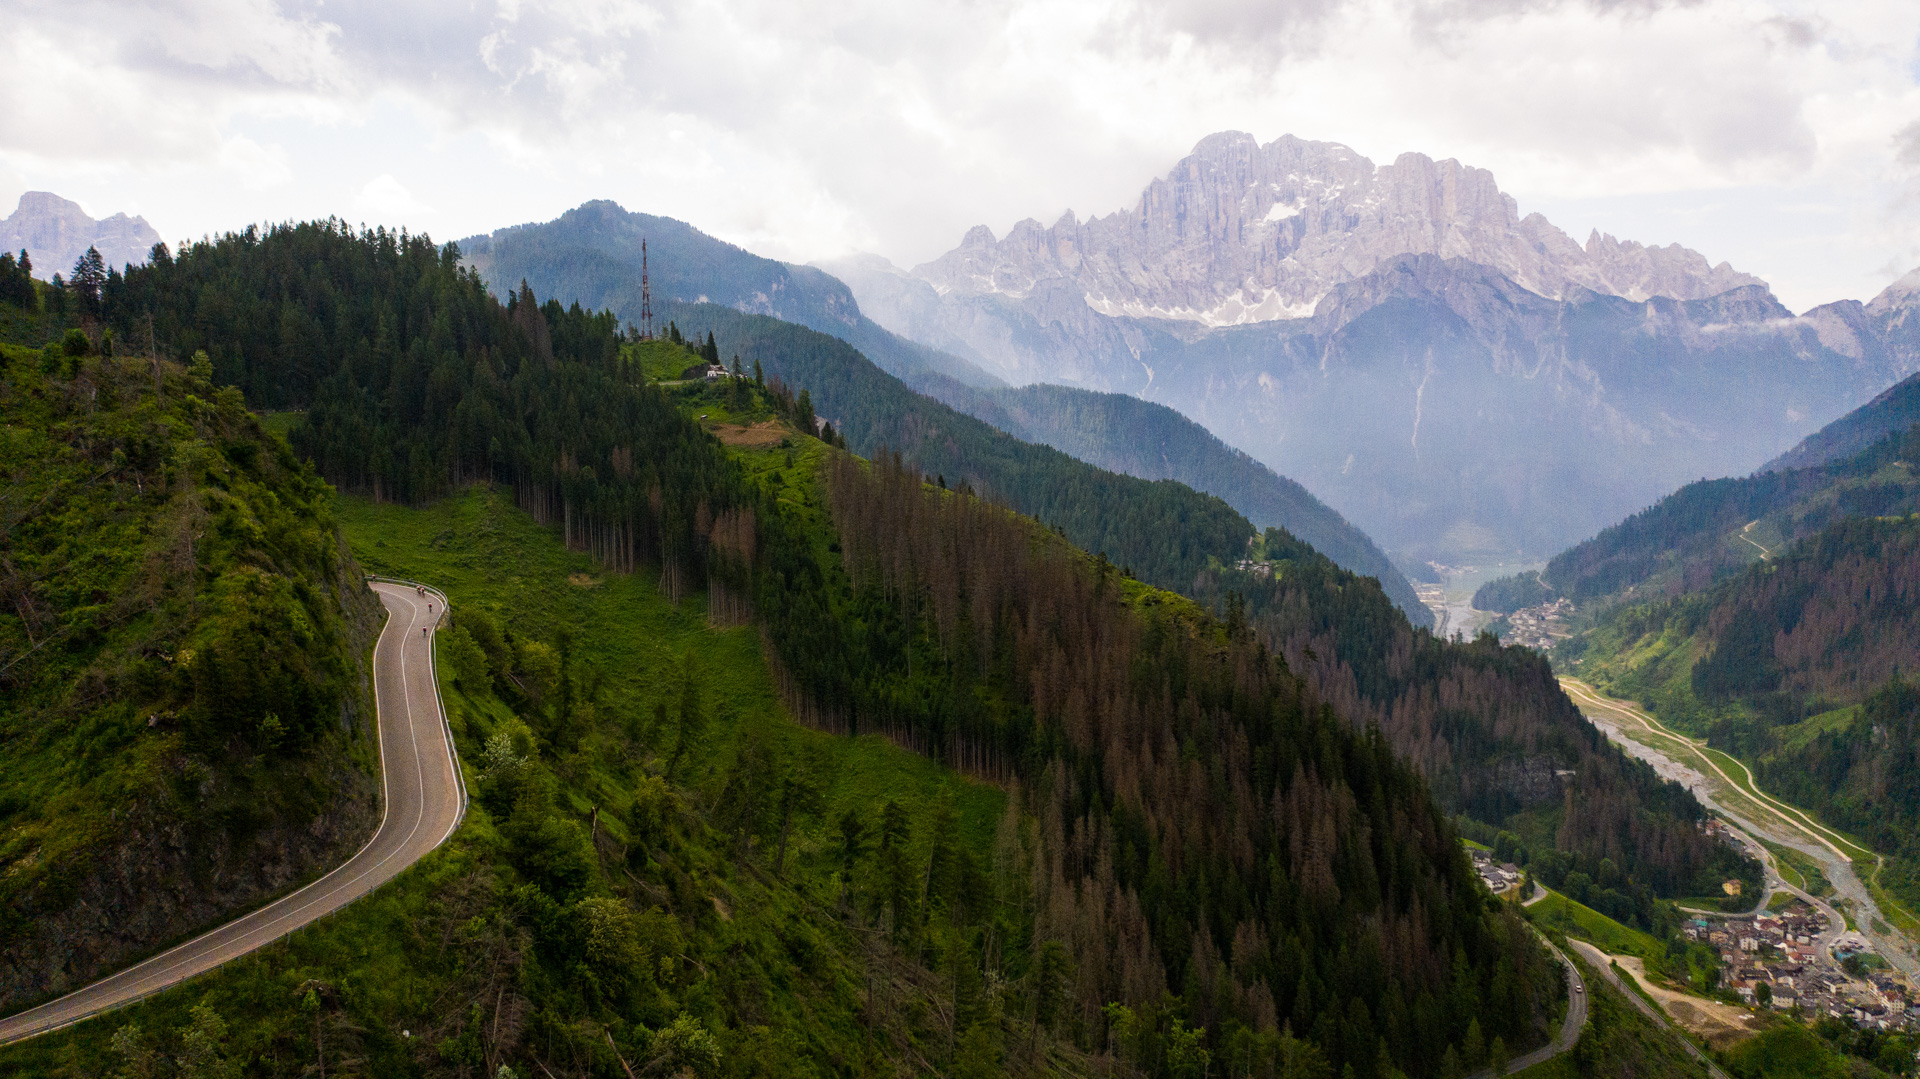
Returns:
(256,167)
(386,200)
(1906,145)
(806,128)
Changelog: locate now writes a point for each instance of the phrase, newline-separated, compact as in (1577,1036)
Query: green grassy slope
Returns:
(1558,913)
(1619,1041)
(758,965)
(182,656)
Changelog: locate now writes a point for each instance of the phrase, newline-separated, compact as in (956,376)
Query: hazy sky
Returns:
(1783,137)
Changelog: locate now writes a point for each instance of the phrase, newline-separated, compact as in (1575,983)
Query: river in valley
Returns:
(1451,598)
(1753,819)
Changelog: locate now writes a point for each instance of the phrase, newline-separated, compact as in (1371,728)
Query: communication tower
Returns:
(646,297)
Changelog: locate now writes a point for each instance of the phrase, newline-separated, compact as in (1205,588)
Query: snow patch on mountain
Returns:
(1239,232)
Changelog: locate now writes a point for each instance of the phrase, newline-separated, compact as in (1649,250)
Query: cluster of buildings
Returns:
(708,371)
(1539,627)
(1774,959)
(1498,876)
(1261,569)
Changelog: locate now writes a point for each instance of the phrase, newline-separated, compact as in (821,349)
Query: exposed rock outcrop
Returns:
(1239,232)
(55,231)
(1463,383)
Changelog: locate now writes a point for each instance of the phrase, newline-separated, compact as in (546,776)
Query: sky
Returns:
(1780,136)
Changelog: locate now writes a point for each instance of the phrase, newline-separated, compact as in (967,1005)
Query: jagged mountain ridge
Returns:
(1239,232)
(1451,413)
(1460,382)
(1436,402)
(56,231)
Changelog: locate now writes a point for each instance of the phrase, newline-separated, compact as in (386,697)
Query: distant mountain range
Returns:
(591,255)
(55,232)
(1461,382)
(1711,530)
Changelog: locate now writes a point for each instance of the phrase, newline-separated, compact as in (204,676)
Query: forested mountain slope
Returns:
(1492,748)
(1112,696)
(591,255)
(1162,531)
(1708,530)
(1490,729)
(1891,413)
(1202,852)
(184,712)
(1140,438)
(1799,665)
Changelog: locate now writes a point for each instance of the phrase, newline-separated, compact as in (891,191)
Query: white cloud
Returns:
(387,201)
(253,166)
(804,129)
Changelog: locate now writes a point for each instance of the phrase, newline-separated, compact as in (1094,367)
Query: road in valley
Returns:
(1751,813)
(1569,1032)
(1604,964)
(424,801)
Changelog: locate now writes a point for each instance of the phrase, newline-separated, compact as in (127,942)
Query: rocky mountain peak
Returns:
(56,231)
(1902,293)
(1238,232)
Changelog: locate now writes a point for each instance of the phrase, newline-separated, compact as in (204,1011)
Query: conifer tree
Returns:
(853,844)
(89,277)
(692,720)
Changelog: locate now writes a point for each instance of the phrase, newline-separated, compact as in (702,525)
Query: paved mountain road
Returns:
(1570,1025)
(424,799)
(1602,963)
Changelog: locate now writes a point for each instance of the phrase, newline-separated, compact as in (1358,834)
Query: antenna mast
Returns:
(646,297)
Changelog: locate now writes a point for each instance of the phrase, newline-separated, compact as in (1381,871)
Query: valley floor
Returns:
(1760,822)
(1451,600)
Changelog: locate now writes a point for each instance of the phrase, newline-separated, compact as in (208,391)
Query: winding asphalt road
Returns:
(1569,1033)
(1604,965)
(424,799)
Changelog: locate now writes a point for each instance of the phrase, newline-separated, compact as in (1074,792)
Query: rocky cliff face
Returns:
(1461,382)
(1456,416)
(1240,232)
(55,232)
(163,877)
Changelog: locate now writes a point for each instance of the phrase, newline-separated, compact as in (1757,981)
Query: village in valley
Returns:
(1788,957)
(1539,628)
(1776,959)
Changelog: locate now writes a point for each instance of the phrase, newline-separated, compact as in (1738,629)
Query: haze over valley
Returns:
(1464,383)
